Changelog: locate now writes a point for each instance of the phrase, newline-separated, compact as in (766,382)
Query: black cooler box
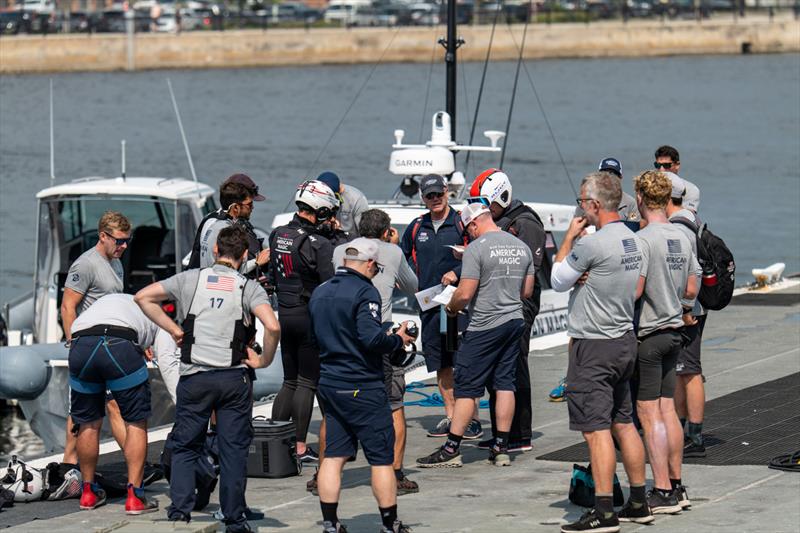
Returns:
(272,452)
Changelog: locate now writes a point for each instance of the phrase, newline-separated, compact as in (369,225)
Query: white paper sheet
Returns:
(444,296)
(425,298)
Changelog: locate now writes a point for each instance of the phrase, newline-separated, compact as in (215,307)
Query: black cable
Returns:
(787,463)
(427,91)
(514,89)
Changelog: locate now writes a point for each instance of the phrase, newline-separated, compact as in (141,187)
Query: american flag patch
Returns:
(673,246)
(219,283)
(629,245)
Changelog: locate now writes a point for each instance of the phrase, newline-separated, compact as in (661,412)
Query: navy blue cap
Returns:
(609,164)
(331,180)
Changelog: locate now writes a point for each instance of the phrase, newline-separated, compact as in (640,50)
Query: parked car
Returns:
(113,20)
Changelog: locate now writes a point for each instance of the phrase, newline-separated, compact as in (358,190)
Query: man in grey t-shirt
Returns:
(627,208)
(602,351)
(497,273)
(353,203)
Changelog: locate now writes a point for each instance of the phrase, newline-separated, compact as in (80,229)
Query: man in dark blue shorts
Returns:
(106,353)
(497,274)
(351,384)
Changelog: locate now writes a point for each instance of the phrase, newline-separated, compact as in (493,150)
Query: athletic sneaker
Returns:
(642,515)
(441,429)
(683,497)
(397,527)
(474,430)
(441,458)
(92,497)
(593,521)
(499,457)
(694,450)
(137,503)
(661,504)
(308,456)
(406,486)
(328,527)
(311,486)
(487,444)
(522,445)
(557,394)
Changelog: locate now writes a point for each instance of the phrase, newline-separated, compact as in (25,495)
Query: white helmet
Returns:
(318,197)
(24,481)
(494,185)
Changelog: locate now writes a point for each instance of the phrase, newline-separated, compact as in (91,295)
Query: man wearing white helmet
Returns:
(493,189)
(300,260)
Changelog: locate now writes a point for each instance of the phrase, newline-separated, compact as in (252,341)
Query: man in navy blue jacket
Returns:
(346,321)
(425,244)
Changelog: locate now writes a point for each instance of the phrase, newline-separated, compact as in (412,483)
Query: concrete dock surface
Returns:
(751,342)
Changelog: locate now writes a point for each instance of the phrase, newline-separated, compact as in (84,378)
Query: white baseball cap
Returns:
(471,212)
(678,185)
(692,199)
(361,249)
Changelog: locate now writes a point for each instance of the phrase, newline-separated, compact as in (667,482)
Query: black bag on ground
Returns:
(62,481)
(206,471)
(114,477)
(272,452)
(581,487)
(718,266)
(6,498)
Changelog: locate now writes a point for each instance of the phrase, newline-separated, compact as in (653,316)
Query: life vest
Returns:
(415,230)
(293,282)
(211,337)
(219,214)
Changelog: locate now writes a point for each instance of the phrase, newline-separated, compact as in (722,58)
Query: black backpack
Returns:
(718,266)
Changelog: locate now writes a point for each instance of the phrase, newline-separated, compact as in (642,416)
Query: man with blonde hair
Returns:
(97,272)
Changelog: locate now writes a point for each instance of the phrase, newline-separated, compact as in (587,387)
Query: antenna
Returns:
(52,143)
(123,159)
(183,135)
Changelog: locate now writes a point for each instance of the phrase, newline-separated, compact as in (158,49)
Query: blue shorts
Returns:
(437,356)
(100,363)
(488,359)
(358,415)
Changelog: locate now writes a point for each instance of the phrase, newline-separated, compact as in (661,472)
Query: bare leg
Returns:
(632,452)
(695,398)
(680,396)
(444,378)
(384,485)
(462,414)
(656,440)
(323,431)
(329,478)
(118,425)
(674,437)
(399,422)
(504,409)
(88,448)
(603,458)
(70,444)
(136,451)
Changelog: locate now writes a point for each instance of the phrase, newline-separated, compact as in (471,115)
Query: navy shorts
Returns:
(97,364)
(358,415)
(689,356)
(488,359)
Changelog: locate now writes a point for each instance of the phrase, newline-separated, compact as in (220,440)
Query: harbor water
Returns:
(734,119)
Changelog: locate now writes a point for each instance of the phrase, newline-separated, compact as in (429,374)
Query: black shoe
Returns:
(642,515)
(522,445)
(253,515)
(308,456)
(441,429)
(177,516)
(406,486)
(694,450)
(328,527)
(243,527)
(683,497)
(441,458)
(593,521)
(397,527)
(487,444)
(663,504)
(474,430)
(311,486)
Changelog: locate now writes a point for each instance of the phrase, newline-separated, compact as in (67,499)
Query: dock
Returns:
(751,360)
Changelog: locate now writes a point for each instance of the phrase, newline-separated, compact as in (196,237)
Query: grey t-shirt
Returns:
(500,262)
(698,309)
(354,203)
(181,288)
(94,276)
(628,210)
(667,263)
(118,310)
(394,272)
(208,239)
(602,308)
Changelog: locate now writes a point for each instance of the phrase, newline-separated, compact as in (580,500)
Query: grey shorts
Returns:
(394,378)
(657,356)
(689,356)
(597,388)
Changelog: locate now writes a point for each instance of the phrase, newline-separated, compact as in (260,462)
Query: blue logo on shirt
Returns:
(673,246)
(629,246)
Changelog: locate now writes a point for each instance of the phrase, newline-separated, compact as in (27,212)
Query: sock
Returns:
(664,492)
(638,496)
(329,512)
(398,474)
(453,442)
(501,440)
(675,483)
(683,422)
(695,432)
(388,516)
(604,504)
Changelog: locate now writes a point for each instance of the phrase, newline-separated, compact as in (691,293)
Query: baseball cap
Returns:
(244,179)
(678,185)
(331,180)
(432,183)
(471,212)
(609,164)
(692,199)
(361,249)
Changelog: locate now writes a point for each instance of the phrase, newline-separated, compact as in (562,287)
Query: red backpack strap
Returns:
(460,227)
(414,230)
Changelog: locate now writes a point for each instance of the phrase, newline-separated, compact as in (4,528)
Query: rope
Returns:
(787,463)
(427,91)
(430,400)
(514,89)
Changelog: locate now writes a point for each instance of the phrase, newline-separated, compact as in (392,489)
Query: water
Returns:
(735,120)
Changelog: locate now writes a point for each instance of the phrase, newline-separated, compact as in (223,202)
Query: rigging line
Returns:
(352,103)
(427,90)
(483,80)
(547,123)
(514,89)
(466,102)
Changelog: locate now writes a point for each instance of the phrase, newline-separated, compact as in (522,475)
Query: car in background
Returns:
(112,20)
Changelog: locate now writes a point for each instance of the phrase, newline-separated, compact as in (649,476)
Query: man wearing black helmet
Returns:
(300,260)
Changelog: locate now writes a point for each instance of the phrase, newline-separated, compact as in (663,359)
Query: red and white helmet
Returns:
(494,185)
(319,197)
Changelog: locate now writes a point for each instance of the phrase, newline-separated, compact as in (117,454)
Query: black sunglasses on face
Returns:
(662,165)
(432,195)
(118,242)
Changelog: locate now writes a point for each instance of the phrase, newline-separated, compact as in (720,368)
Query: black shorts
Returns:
(100,363)
(689,356)
(488,359)
(434,350)
(358,415)
(394,380)
(597,388)
(655,362)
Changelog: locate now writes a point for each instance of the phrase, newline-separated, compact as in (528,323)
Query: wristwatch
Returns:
(257,348)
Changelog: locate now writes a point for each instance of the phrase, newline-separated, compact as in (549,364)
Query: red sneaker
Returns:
(92,496)
(136,503)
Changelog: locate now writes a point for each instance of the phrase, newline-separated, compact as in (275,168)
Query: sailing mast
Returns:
(451,44)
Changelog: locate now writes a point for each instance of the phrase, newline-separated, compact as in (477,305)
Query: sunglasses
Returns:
(580,201)
(326,213)
(246,204)
(478,200)
(118,242)
(662,165)
(433,195)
